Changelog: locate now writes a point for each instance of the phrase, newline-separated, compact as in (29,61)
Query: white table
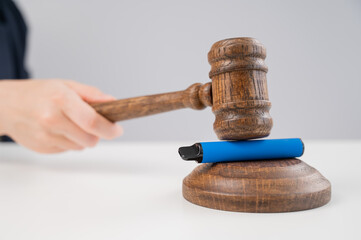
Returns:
(133,191)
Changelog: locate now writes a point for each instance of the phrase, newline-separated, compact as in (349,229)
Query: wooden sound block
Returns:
(283,185)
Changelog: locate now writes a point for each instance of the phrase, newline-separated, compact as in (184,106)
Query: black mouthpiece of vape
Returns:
(194,152)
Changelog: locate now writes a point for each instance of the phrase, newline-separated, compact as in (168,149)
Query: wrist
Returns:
(6,96)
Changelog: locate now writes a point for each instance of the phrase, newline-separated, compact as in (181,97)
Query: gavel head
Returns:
(239,89)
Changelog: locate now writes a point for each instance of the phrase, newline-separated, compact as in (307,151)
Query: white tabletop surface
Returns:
(133,191)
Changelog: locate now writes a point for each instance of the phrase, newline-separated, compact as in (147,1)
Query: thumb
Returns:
(88,93)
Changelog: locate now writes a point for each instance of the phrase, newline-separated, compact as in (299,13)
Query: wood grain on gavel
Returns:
(241,105)
(197,96)
(281,185)
(238,93)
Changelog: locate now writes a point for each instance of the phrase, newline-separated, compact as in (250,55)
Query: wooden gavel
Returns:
(238,93)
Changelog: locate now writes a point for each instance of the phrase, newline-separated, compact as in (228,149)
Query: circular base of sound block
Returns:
(283,185)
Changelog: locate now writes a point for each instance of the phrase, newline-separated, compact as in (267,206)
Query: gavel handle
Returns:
(197,96)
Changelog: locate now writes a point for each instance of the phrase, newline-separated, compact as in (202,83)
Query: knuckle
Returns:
(48,119)
(59,97)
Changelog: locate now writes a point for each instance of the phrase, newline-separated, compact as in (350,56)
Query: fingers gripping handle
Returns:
(197,96)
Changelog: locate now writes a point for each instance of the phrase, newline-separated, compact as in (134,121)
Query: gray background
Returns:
(132,48)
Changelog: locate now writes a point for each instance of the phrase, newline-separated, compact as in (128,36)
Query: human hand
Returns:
(51,116)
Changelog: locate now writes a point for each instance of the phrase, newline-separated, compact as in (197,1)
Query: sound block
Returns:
(266,186)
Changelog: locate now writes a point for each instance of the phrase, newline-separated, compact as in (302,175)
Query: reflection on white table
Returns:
(134,191)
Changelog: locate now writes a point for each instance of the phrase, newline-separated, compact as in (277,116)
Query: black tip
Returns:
(194,152)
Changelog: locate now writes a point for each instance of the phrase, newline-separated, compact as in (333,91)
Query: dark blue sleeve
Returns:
(12,45)
(13,32)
